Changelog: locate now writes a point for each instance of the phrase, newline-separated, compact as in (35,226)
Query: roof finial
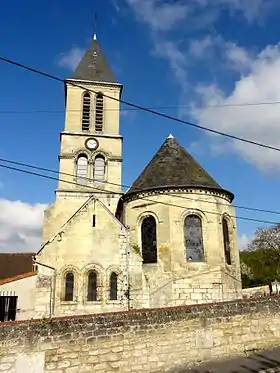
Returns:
(94,26)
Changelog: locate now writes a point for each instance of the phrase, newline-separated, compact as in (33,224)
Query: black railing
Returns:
(8,307)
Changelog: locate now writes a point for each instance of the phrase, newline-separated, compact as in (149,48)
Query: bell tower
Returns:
(91,147)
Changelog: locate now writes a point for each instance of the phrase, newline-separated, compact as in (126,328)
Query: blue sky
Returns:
(190,59)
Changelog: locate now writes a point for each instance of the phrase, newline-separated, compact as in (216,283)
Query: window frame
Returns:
(145,252)
(226,245)
(188,251)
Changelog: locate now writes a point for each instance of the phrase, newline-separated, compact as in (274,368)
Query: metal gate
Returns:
(8,307)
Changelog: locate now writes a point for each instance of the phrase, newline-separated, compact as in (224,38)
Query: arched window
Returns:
(82,169)
(86,111)
(193,238)
(92,286)
(113,286)
(226,242)
(99,167)
(99,113)
(69,287)
(149,240)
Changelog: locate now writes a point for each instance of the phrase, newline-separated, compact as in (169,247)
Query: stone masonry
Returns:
(154,340)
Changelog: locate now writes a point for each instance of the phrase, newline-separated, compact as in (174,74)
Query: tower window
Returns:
(193,238)
(92,286)
(149,240)
(99,113)
(82,169)
(113,286)
(226,241)
(86,112)
(69,287)
(99,167)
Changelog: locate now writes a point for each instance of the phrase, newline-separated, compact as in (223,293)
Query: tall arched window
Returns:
(92,286)
(99,113)
(82,169)
(149,240)
(113,286)
(193,238)
(69,287)
(99,167)
(86,111)
(226,241)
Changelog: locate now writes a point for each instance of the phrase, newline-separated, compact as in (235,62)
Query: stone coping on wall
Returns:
(108,324)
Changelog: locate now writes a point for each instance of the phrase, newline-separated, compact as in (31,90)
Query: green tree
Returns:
(260,262)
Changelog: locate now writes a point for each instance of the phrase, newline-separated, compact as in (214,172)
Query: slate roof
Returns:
(14,264)
(173,166)
(94,66)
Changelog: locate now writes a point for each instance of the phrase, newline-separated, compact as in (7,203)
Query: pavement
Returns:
(259,362)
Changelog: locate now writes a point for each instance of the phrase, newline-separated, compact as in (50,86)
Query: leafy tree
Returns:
(260,263)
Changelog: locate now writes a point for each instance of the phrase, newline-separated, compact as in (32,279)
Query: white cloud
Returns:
(243,241)
(158,14)
(70,59)
(258,123)
(20,226)
(176,58)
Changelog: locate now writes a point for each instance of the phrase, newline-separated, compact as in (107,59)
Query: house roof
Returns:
(14,264)
(17,278)
(172,166)
(94,66)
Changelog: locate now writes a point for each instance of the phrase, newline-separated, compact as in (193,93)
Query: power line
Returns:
(166,107)
(128,186)
(142,107)
(142,198)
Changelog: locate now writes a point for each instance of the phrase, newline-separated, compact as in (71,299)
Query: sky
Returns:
(202,61)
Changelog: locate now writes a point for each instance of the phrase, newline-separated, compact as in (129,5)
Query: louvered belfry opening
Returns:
(86,112)
(99,113)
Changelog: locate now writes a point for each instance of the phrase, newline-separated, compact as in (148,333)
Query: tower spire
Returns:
(94,26)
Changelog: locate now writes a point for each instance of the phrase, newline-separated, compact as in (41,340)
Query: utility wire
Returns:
(53,77)
(142,198)
(129,186)
(167,107)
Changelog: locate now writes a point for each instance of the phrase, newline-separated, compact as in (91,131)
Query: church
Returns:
(169,240)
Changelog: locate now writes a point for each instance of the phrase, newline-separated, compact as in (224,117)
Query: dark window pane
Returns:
(114,286)
(193,239)
(69,287)
(226,242)
(149,240)
(92,287)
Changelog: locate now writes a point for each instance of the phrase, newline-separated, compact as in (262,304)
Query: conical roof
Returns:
(94,66)
(173,166)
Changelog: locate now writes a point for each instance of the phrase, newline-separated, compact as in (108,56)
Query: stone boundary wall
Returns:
(149,340)
(257,291)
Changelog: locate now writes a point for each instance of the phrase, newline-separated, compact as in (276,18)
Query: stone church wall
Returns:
(155,340)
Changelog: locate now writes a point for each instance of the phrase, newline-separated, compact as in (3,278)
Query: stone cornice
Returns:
(90,134)
(76,82)
(221,193)
(73,155)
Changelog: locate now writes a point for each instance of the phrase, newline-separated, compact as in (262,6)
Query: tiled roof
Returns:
(14,264)
(173,166)
(94,66)
(18,277)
